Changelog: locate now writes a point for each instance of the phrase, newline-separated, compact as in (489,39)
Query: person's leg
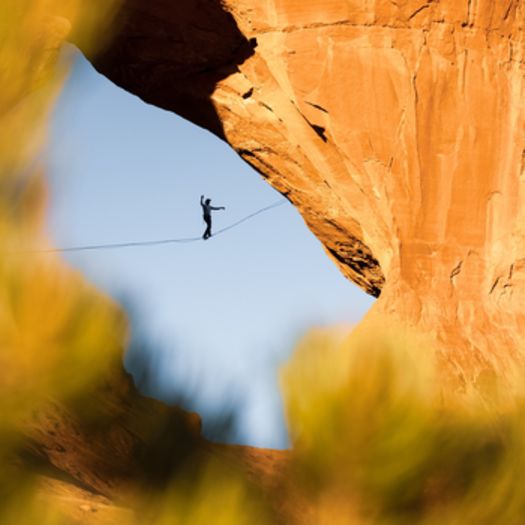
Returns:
(207,233)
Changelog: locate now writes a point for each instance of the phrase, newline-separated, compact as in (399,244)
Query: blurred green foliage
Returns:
(52,323)
(372,435)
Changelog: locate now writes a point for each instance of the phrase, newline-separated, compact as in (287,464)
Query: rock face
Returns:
(99,459)
(396,128)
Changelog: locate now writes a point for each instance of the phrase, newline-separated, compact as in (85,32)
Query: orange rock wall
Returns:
(396,128)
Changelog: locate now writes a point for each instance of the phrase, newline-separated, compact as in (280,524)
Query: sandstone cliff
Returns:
(398,131)
(396,128)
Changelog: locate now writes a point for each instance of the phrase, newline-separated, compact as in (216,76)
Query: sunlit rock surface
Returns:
(101,457)
(396,129)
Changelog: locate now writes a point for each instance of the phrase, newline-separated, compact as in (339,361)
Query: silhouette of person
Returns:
(206,215)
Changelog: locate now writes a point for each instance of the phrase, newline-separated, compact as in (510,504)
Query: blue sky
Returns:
(221,315)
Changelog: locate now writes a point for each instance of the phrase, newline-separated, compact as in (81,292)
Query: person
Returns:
(206,215)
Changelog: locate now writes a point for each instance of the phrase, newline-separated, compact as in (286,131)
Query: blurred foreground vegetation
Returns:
(373,442)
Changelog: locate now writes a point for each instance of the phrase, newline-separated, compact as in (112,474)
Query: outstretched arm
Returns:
(202,199)
(217,208)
